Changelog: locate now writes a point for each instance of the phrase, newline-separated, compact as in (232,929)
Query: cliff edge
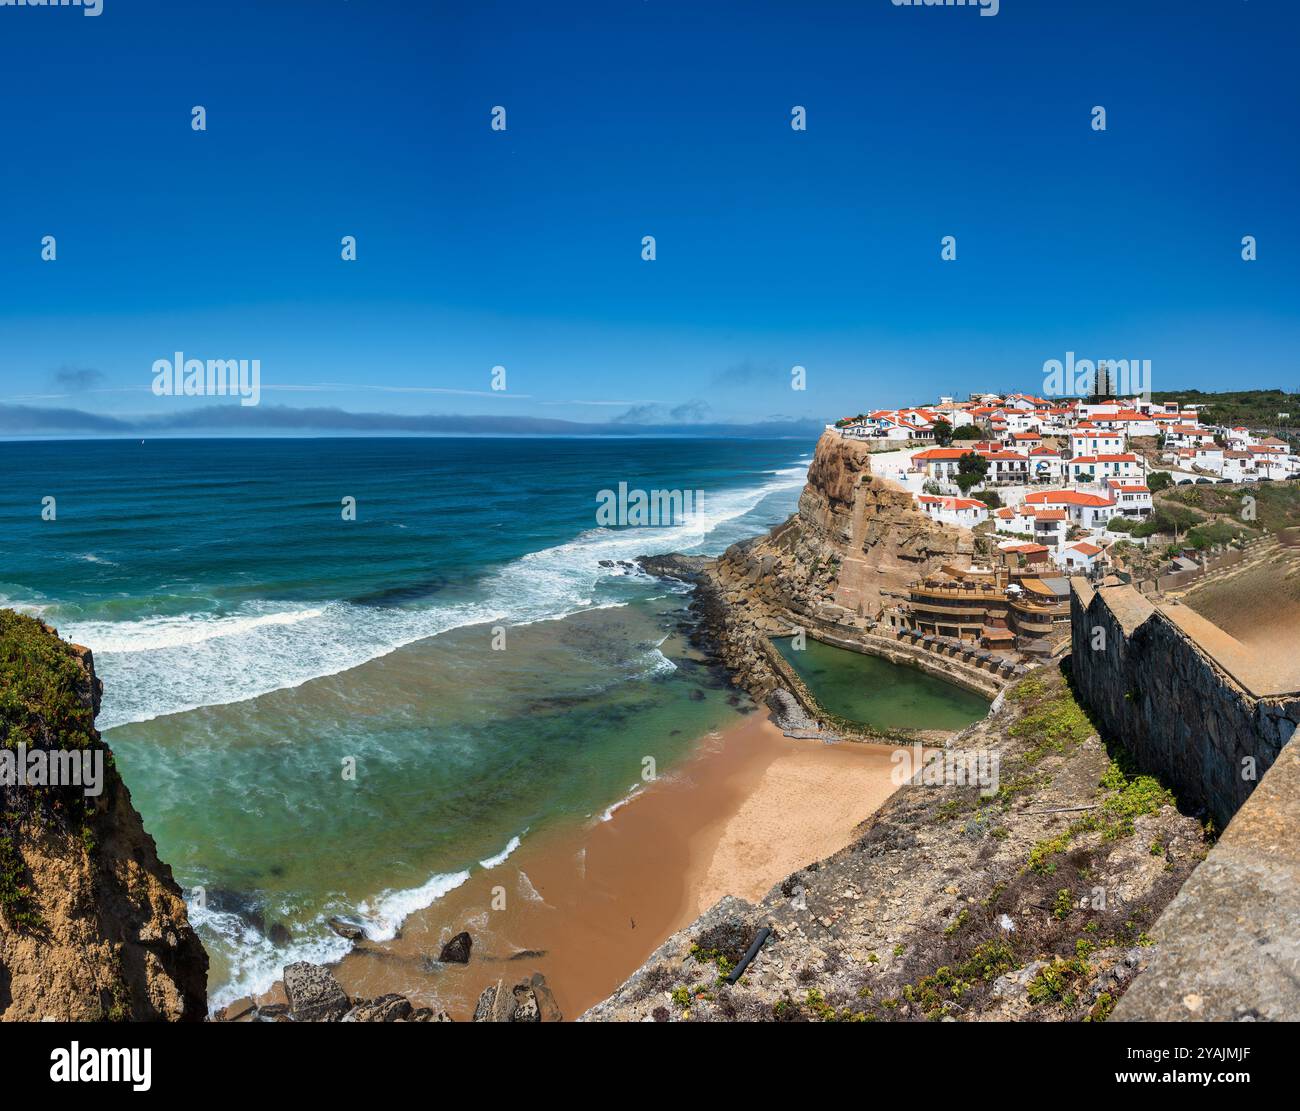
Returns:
(92,924)
(855,544)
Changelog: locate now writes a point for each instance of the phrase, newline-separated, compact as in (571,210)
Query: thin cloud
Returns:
(72,379)
(24,421)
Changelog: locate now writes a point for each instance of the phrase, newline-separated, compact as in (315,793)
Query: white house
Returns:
(1082,555)
(1131,498)
(965,512)
(1239,466)
(1096,468)
(938,463)
(1091,440)
(1006,467)
(1045,465)
(1090,511)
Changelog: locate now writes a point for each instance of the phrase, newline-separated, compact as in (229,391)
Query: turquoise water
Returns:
(877,692)
(318,716)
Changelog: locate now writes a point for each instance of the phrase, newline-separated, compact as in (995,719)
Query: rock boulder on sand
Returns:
(456,951)
(314,994)
(387,1008)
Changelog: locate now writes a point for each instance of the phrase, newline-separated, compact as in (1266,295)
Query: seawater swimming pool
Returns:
(879,693)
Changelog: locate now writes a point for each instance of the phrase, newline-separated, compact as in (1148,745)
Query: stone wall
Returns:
(1195,706)
(1227,949)
(1192,704)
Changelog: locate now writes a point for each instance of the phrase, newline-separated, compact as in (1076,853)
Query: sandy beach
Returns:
(585,906)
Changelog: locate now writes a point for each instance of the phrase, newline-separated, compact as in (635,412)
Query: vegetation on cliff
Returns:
(92,923)
(42,704)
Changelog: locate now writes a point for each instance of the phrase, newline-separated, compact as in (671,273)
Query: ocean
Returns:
(341,675)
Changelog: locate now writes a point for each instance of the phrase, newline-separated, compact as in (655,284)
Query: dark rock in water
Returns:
(346,929)
(527,954)
(273,1012)
(314,994)
(279,934)
(685,568)
(456,951)
(697,695)
(237,903)
(387,1008)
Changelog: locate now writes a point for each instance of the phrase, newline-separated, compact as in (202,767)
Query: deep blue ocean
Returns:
(470,642)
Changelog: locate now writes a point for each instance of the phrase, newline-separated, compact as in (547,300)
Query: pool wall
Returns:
(949,670)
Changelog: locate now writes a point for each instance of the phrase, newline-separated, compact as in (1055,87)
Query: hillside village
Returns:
(1050,489)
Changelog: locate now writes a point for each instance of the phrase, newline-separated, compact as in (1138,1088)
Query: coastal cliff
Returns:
(855,543)
(92,923)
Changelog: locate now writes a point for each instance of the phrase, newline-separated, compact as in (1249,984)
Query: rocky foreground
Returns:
(314,995)
(1031,901)
(92,924)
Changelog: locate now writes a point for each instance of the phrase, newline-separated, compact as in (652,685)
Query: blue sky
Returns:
(627,118)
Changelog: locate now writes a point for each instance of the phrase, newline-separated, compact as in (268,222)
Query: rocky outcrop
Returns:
(314,995)
(527,1001)
(92,923)
(855,544)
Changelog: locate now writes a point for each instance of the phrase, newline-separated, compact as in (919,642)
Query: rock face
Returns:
(528,1001)
(855,544)
(92,924)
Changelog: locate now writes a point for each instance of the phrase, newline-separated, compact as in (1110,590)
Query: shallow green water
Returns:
(876,692)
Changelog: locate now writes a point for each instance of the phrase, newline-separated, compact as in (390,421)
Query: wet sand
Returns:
(586,906)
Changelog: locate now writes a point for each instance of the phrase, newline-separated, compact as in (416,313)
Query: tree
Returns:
(967,432)
(1158,480)
(942,433)
(971,469)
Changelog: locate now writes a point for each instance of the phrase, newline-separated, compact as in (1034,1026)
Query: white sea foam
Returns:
(528,891)
(256,962)
(164,665)
(383,916)
(614,807)
(504,854)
